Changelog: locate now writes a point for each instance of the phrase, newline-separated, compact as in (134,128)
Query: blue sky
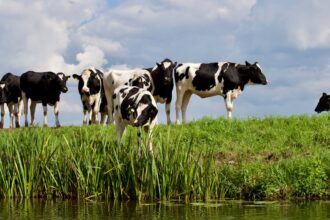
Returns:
(290,40)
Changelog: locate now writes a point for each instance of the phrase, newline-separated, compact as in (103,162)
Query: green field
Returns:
(269,158)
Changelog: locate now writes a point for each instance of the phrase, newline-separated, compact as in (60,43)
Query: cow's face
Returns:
(89,82)
(166,69)
(145,114)
(256,75)
(142,81)
(2,93)
(324,103)
(60,81)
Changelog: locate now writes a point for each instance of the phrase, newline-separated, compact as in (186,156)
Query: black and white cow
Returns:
(323,104)
(10,94)
(45,88)
(210,79)
(90,88)
(136,107)
(158,80)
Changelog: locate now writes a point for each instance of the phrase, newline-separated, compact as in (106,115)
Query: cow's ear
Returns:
(159,65)
(247,63)
(76,76)
(67,77)
(174,64)
(324,94)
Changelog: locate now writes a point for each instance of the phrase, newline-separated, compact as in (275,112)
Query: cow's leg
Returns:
(56,113)
(17,112)
(229,104)
(120,128)
(11,114)
(32,112)
(168,113)
(108,94)
(103,118)
(139,136)
(96,109)
(2,115)
(85,117)
(185,101)
(45,115)
(25,105)
(178,103)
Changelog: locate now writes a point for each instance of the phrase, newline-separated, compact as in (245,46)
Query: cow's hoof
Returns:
(45,126)
(58,126)
(26,125)
(1,125)
(17,125)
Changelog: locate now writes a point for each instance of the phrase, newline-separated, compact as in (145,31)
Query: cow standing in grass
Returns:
(136,107)
(90,88)
(210,79)
(45,88)
(323,104)
(10,94)
(158,80)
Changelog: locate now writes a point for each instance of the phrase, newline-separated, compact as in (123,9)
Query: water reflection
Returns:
(71,209)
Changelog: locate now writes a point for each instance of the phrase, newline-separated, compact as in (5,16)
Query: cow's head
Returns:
(255,72)
(2,92)
(89,81)
(165,70)
(59,81)
(142,81)
(324,103)
(146,112)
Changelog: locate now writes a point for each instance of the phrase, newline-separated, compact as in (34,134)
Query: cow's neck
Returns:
(156,81)
(244,74)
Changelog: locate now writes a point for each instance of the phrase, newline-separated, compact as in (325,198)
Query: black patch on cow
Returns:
(125,84)
(128,102)
(114,96)
(204,79)
(116,107)
(123,89)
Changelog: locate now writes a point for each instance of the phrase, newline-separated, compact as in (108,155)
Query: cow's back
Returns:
(34,84)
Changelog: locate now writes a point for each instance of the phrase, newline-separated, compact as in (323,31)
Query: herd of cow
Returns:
(129,97)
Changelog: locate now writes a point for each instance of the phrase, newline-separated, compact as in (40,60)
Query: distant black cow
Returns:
(324,103)
(158,80)
(136,107)
(10,94)
(90,88)
(210,79)
(45,88)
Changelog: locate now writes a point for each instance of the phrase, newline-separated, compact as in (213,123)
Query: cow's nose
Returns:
(65,89)
(85,90)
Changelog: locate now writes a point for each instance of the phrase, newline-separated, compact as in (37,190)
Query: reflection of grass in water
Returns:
(267,158)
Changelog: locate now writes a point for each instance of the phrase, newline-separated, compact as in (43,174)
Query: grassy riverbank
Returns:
(271,158)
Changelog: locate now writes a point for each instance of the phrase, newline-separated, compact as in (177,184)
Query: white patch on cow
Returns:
(167,64)
(85,76)
(259,67)
(2,86)
(61,76)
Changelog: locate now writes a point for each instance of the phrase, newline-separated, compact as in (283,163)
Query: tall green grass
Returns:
(270,158)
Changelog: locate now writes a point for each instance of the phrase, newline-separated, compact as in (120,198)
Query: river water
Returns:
(68,209)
